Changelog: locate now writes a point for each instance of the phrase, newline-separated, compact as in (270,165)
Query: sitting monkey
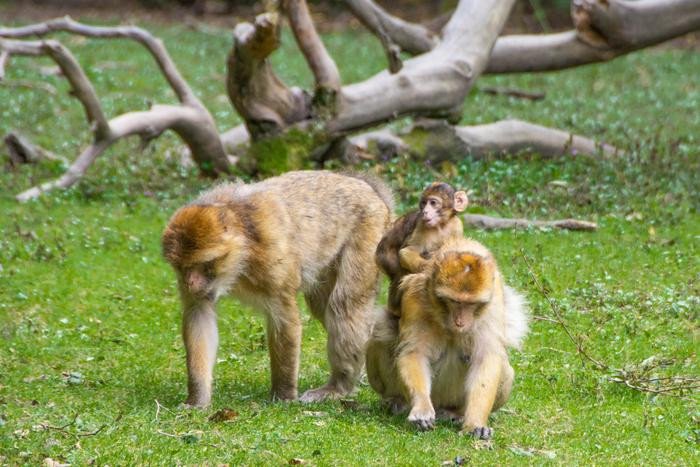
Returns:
(415,236)
(448,348)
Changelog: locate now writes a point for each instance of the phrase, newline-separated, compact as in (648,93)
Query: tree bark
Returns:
(604,30)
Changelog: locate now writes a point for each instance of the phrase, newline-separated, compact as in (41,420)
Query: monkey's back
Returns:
(311,216)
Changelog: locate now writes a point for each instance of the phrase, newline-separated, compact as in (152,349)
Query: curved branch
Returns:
(493,223)
(605,29)
(152,44)
(184,120)
(435,81)
(81,85)
(322,65)
(412,38)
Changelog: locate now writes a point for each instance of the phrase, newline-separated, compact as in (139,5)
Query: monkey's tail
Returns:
(517,317)
(379,187)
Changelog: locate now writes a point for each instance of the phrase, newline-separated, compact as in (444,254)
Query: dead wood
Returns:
(494,223)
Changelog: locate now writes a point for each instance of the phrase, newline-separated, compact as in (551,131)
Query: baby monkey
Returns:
(415,236)
(447,351)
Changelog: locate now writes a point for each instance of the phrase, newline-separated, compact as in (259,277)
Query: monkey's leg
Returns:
(483,381)
(411,259)
(505,387)
(414,369)
(348,319)
(201,339)
(284,343)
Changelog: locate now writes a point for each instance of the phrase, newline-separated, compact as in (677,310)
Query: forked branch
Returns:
(191,120)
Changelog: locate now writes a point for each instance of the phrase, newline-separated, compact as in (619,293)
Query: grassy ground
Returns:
(91,362)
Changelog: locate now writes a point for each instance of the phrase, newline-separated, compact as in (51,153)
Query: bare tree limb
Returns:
(192,121)
(434,81)
(412,38)
(152,44)
(81,86)
(511,92)
(512,136)
(22,151)
(493,223)
(186,121)
(266,104)
(322,65)
(604,30)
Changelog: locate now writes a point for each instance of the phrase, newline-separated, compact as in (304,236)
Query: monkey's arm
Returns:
(411,259)
(387,253)
(414,369)
(483,380)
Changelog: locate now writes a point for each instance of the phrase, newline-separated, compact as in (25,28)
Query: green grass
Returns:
(89,313)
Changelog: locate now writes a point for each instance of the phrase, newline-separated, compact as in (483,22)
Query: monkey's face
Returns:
(203,249)
(434,212)
(463,283)
(460,316)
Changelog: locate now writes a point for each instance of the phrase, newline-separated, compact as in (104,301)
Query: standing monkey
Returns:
(406,247)
(449,348)
(309,231)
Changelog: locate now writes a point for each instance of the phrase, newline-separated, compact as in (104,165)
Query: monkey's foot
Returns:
(323,393)
(422,418)
(480,432)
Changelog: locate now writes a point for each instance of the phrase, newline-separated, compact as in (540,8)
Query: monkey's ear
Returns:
(461,201)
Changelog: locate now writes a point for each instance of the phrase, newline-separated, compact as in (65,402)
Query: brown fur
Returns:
(448,351)
(406,247)
(313,232)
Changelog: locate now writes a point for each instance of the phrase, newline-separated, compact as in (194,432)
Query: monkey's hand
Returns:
(422,416)
(412,259)
(480,432)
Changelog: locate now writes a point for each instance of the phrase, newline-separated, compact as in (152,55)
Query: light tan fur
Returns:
(448,348)
(310,231)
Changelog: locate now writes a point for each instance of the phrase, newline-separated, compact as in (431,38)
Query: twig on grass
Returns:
(638,377)
(512,92)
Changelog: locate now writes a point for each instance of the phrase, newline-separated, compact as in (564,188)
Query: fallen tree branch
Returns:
(493,223)
(436,81)
(412,38)
(604,30)
(191,120)
(152,44)
(513,136)
(22,151)
(322,65)
(512,92)
(265,103)
(184,120)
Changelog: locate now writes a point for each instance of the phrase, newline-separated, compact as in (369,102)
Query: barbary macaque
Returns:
(309,231)
(413,238)
(447,351)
